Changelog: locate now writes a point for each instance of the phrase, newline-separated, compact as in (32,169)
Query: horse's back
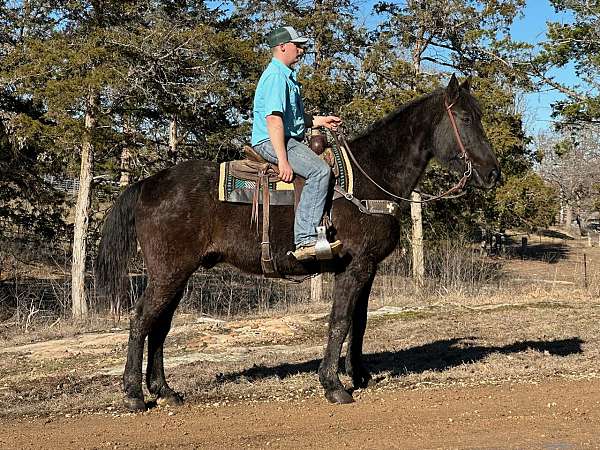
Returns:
(193,178)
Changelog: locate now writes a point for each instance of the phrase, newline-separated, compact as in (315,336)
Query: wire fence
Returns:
(67,185)
(221,292)
(35,279)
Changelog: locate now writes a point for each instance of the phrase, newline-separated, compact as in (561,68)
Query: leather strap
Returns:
(298,186)
(370,207)
(267,262)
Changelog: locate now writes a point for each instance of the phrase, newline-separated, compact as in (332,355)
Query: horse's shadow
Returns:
(439,355)
(548,253)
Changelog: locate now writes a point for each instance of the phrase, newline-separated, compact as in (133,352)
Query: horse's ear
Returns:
(452,90)
(466,85)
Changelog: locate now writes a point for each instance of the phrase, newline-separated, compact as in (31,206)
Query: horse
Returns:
(176,217)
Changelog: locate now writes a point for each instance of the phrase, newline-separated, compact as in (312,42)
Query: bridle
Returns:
(463,155)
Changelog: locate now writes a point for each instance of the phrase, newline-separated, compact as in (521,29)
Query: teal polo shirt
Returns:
(278,91)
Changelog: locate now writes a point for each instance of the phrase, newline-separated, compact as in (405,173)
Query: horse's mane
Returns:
(402,109)
(393,116)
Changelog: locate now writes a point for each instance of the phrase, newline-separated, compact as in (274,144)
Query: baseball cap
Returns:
(283,35)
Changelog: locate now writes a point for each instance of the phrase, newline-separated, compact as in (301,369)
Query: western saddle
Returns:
(255,168)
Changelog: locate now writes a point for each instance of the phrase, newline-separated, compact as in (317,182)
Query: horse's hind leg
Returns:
(149,309)
(354,357)
(155,372)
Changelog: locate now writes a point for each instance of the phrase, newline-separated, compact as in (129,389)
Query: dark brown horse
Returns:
(181,225)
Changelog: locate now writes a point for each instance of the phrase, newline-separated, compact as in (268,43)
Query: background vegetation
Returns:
(97,94)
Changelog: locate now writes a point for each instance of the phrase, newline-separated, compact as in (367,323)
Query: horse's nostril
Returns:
(494,176)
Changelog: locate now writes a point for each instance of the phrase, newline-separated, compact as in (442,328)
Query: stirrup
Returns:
(308,252)
(322,246)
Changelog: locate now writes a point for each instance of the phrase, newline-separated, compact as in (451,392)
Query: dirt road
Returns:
(503,375)
(551,415)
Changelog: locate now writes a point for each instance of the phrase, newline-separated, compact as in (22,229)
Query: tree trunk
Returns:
(78,291)
(418,268)
(561,212)
(317,37)
(173,138)
(568,216)
(125,156)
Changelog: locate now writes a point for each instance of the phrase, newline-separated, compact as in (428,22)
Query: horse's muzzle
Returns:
(481,180)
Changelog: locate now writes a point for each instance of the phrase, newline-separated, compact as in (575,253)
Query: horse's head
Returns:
(459,138)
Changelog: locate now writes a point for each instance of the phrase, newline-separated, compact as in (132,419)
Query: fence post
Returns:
(417,240)
(585,282)
(316,288)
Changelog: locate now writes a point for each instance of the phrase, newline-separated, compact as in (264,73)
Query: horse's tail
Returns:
(118,245)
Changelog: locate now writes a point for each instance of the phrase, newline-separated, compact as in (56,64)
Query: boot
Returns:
(307,252)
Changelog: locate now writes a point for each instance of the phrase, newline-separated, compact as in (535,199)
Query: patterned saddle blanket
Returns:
(237,190)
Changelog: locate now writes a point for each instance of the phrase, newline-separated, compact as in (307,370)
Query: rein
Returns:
(463,155)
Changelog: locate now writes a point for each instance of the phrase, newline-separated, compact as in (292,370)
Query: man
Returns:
(277,134)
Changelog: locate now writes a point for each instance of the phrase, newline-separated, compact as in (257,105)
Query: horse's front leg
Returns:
(355,367)
(348,287)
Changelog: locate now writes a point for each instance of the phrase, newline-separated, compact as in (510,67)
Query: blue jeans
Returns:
(308,165)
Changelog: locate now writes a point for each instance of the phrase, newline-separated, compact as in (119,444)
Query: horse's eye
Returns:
(466,120)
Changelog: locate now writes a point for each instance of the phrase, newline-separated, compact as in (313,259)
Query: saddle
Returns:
(261,172)
(264,176)
(241,182)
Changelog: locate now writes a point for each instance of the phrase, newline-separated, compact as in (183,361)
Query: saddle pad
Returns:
(236,190)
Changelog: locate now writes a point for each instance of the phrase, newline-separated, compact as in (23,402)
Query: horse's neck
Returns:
(395,157)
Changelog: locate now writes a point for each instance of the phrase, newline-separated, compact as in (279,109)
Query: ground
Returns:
(514,366)
(551,415)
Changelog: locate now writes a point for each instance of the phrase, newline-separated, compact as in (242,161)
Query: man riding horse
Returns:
(180,224)
(277,133)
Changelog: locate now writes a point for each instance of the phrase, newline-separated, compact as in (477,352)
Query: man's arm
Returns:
(277,136)
(308,121)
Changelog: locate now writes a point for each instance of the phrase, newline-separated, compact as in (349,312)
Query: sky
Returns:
(531,28)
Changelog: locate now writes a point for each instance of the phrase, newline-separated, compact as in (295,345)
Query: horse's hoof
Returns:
(340,396)
(134,404)
(363,382)
(171,399)
(361,378)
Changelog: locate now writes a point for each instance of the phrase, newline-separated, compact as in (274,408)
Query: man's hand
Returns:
(330,122)
(285,171)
